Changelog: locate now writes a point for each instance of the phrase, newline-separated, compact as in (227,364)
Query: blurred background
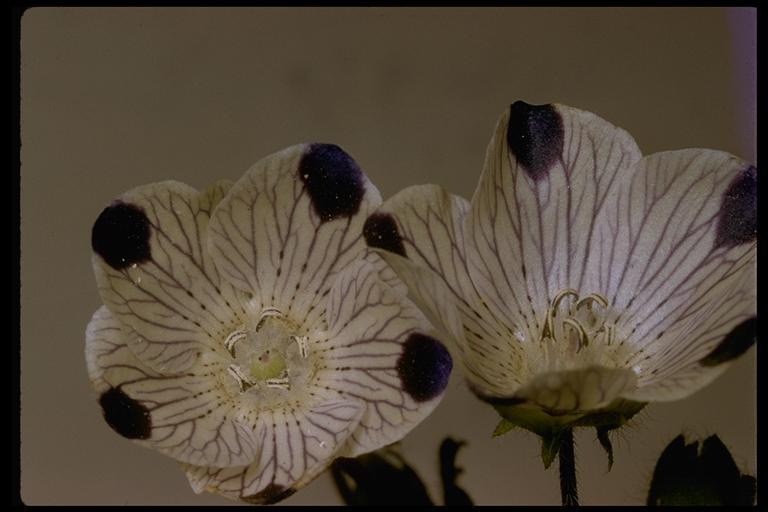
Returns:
(115,98)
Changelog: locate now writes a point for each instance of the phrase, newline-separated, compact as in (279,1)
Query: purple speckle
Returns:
(535,137)
(333,180)
(125,415)
(424,367)
(380,231)
(737,223)
(120,235)
(269,495)
(734,344)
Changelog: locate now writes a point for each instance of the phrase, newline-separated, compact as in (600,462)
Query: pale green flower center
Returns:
(268,354)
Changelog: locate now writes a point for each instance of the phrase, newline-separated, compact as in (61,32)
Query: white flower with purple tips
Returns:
(582,278)
(248,332)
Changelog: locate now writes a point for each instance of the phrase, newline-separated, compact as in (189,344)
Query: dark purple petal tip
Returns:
(121,234)
(269,495)
(535,137)
(737,223)
(333,180)
(380,231)
(424,367)
(734,344)
(125,415)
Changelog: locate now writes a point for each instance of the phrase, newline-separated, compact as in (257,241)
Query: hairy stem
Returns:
(568,492)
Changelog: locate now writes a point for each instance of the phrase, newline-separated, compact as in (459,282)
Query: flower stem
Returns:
(568,492)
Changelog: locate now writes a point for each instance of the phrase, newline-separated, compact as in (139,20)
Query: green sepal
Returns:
(613,416)
(550,426)
(503,427)
(605,442)
(550,445)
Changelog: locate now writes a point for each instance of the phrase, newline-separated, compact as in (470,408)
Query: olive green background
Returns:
(115,98)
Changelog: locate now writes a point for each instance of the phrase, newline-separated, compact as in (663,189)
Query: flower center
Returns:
(578,331)
(577,321)
(268,354)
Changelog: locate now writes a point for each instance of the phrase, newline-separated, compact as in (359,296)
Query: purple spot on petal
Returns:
(269,495)
(738,211)
(424,367)
(333,180)
(120,235)
(380,231)
(535,137)
(734,344)
(125,415)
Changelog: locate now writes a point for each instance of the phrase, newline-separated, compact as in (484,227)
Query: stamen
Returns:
(592,297)
(560,296)
(281,383)
(266,313)
(232,339)
(580,331)
(548,331)
(302,342)
(610,333)
(243,380)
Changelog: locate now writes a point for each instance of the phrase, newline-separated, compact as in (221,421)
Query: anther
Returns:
(592,297)
(240,377)
(302,342)
(580,331)
(548,331)
(560,296)
(232,339)
(280,383)
(266,313)
(610,333)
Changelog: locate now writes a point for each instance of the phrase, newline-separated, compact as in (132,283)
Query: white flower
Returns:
(582,275)
(247,331)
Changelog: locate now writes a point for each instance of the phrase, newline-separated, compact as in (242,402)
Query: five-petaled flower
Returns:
(582,280)
(248,332)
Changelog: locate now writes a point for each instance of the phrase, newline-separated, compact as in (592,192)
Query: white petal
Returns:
(155,275)
(188,417)
(418,232)
(429,292)
(378,350)
(296,446)
(549,171)
(683,272)
(685,264)
(666,379)
(423,223)
(292,221)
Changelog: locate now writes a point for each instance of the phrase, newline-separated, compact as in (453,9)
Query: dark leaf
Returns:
(380,478)
(699,474)
(453,495)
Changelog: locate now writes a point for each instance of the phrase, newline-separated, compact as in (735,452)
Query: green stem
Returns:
(568,490)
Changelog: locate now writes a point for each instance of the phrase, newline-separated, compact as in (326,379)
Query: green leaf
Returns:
(605,442)
(503,427)
(699,474)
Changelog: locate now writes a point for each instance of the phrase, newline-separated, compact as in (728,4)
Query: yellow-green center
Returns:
(267,354)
